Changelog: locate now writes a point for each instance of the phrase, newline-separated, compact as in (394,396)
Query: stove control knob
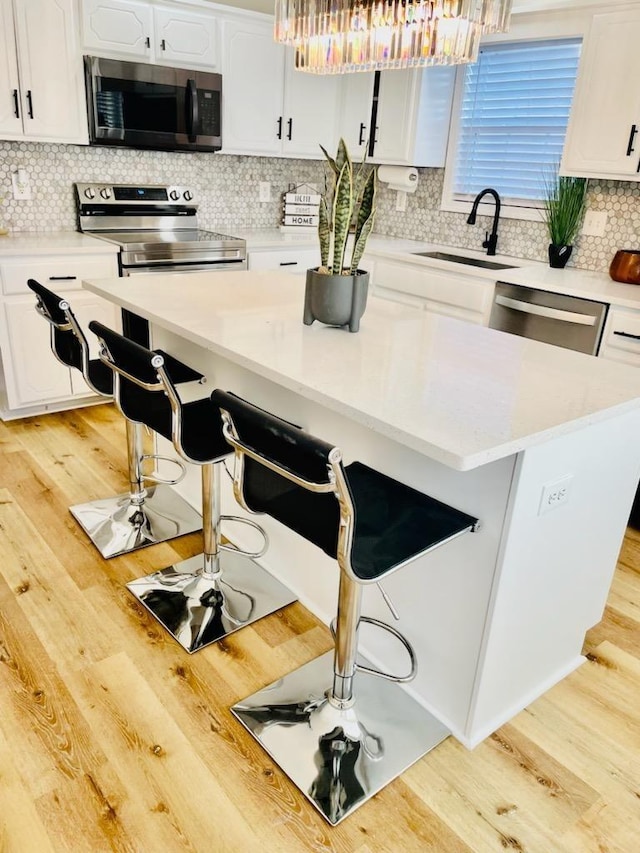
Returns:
(90,192)
(174,195)
(105,192)
(187,195)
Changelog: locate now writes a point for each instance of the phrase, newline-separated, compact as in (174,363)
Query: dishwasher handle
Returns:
(545,311)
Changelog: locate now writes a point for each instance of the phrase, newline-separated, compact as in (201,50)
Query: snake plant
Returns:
(348,200)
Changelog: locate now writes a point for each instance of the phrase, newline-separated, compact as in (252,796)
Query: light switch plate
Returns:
(264,191)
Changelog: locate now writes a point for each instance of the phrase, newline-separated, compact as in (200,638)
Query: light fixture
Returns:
(341,36)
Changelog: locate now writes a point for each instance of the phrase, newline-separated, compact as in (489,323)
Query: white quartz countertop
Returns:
(569,281)
(53,243)
(459,393)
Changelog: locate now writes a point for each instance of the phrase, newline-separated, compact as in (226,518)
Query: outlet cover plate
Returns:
(555,494)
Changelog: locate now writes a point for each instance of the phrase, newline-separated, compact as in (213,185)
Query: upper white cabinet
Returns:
(407,114)
(171,35)
(413,116)
(41,78)
(603,136)
(356,105)
(269,107)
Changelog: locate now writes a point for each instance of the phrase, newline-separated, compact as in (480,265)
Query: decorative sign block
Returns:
(297,219)
(301,206)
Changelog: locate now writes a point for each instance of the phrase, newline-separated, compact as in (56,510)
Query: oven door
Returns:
(565,321)
(156,269)
(151,106)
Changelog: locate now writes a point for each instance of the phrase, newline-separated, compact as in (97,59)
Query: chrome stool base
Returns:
(197,611)
(118,526)
(339,758)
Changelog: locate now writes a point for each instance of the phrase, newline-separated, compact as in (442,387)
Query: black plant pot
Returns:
(559,255)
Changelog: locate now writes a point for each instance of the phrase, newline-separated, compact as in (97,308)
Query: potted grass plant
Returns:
(565,204)
(336,291)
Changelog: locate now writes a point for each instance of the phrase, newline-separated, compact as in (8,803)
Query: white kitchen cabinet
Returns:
(621,336)
(413,116)
(33,378)
(268,106)
(407,112)
(296,261)
(603,135)
(454,294)
(356,105)
(163,34)
(41,78)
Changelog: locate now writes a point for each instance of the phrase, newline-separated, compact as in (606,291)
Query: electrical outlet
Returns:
(401,200)
(265,191)
(555,494)
(595,223)
(20,184)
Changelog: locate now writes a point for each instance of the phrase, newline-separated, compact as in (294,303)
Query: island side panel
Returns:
(556,566)
(442,598)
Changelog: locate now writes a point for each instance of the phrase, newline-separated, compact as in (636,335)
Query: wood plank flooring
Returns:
(113,738)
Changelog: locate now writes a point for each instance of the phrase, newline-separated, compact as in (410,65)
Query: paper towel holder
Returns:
(401,178)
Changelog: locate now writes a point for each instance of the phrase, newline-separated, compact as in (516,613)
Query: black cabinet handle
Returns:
(363,127)
(632,139)
(163,45)
(63,277)
(288,263)
(29,103)
(147,42)
(16,103)
(290,129)
(628,335)
(279,133)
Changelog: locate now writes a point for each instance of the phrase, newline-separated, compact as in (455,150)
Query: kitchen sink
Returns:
(462,259)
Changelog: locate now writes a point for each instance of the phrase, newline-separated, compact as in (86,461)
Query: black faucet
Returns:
(491,240)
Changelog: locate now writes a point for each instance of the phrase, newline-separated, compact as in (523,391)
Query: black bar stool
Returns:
(205,598)
(143,517)
(340,729)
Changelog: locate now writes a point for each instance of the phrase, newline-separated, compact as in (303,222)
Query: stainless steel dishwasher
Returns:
(565,321)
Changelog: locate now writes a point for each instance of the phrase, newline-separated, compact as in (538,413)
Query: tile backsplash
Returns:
(227,187)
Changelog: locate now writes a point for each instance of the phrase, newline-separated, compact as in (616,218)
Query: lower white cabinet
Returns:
(295,261)
(33,379)
(466,297)
(621,336)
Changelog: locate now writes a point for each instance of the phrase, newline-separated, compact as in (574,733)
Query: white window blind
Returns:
(513,121)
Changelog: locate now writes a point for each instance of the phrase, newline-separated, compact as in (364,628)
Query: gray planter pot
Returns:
(336,300)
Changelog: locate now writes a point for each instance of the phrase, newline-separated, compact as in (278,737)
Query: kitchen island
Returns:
(539,443)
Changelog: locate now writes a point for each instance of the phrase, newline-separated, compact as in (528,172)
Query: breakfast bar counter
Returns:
(539,443)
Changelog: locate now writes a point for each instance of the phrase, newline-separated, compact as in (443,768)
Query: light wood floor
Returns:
(112,738)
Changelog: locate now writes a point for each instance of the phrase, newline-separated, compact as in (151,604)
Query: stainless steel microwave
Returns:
(151,106)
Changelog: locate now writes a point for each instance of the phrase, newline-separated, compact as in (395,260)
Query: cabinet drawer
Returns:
(59,272)
(288,260)
(621,338)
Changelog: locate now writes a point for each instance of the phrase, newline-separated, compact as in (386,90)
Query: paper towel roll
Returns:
(403,178)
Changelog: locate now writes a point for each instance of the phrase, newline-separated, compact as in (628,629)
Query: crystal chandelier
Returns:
(341,36)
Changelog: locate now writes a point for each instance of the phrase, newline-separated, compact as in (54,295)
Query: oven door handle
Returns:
(545,311)
(192,113)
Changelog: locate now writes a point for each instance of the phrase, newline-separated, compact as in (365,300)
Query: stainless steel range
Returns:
(156,229)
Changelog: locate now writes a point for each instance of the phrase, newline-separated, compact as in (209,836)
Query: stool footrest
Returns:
(240,520)
(154,477)
(379,673)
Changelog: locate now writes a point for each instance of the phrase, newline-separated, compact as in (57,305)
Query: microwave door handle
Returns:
(192,115)
(545,311)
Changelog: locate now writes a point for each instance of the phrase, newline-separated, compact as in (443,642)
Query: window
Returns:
(511,122)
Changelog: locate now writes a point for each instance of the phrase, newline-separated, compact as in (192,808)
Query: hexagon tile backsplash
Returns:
(227,186)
